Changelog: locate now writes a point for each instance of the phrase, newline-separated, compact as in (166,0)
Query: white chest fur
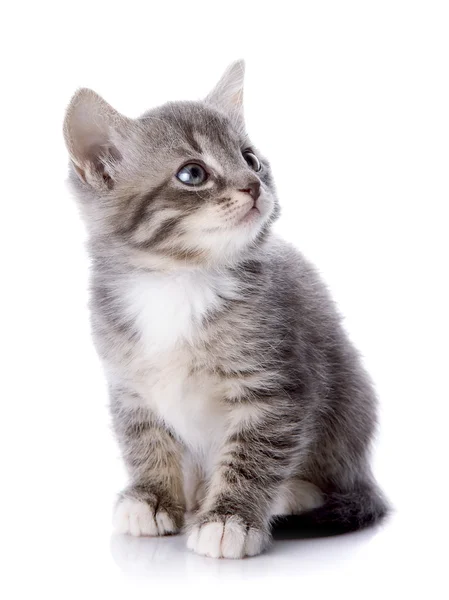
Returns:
(168,308)
(168,311)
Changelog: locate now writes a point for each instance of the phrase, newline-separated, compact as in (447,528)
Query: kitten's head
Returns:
(180,185)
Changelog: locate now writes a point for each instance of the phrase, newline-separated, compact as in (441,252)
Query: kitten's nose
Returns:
(253,189)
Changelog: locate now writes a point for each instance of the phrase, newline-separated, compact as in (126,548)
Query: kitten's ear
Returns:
(227,95)
(92,135)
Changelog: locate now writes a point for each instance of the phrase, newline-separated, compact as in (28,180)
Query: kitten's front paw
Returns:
(226,537)
(139,517)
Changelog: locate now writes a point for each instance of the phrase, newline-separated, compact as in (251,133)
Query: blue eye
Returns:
(192,174)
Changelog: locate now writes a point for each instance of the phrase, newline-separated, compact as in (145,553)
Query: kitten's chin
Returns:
(251,216)
(228,245)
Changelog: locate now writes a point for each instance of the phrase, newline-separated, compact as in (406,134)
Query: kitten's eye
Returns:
(192,174)
(252,160)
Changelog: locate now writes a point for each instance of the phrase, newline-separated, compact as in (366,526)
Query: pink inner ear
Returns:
(79,172)
(100,168)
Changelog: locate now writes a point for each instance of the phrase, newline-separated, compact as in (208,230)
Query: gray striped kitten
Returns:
(235,394)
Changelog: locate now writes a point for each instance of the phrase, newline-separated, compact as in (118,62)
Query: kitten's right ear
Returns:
(92,136)
(227,95)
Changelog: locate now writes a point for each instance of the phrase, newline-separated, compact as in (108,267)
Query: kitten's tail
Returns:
(342,512)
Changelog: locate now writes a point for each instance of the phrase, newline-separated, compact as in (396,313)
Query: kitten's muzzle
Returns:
(253,189)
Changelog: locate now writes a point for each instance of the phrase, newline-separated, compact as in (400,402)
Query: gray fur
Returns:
(272,340)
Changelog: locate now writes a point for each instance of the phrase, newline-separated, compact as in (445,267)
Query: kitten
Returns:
(235,393)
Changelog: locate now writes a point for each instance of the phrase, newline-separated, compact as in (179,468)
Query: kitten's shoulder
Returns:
(291,278)
(282,257)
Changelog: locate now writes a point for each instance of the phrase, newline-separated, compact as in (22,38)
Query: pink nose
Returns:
(253,189)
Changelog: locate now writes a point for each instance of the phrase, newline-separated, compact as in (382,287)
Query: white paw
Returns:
(228,539)
(137,518)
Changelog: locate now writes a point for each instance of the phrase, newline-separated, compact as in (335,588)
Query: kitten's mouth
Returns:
(251,214)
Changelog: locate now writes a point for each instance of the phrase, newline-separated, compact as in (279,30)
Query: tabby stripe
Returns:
(188,134)
(184,254)
(141,209)
(162,232)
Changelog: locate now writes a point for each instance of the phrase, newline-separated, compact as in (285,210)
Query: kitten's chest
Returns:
(169,313)
(168,310)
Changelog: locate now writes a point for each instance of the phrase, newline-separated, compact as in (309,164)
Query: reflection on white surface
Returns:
(389,560)
(168,557)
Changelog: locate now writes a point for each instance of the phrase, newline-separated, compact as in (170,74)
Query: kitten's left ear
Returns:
(227,95)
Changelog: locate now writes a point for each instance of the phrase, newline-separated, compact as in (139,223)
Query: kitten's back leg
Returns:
(296,496)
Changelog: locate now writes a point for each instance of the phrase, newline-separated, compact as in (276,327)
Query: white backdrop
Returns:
(350,101)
